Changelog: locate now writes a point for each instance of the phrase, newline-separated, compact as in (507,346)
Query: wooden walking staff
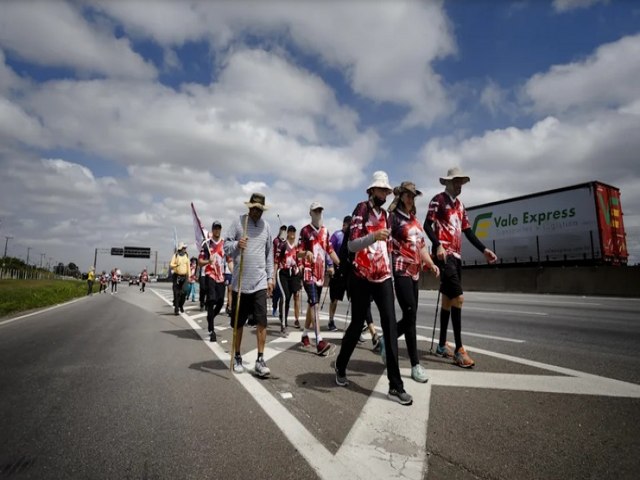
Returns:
(237,306)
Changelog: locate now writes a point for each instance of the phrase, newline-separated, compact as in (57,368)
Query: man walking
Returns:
(445,222)
(250,237)
(338,283)
(287,277)
(144,278)
(276,299)
(314,247)
(180,267)
(212,261)
(91,277)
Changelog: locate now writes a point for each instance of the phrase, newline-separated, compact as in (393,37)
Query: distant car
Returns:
(134,281)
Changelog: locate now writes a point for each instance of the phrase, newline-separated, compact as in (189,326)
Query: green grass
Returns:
(20,295)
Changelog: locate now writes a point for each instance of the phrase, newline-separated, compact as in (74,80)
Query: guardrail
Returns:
(22,274)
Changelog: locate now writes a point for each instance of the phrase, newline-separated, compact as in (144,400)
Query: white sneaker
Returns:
(237,365)
(261,368)
(419,374)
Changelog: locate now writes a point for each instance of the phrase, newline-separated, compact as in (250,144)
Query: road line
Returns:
(48,309)
(480,335)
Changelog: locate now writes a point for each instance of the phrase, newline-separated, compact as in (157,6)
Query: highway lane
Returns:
(117,387)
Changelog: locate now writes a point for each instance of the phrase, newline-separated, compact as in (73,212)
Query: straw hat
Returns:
(257,200)
(452,173)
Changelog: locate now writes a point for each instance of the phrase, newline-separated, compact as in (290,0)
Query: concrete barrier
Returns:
(603,280)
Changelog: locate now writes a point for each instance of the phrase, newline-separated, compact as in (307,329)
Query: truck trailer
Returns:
(576,225)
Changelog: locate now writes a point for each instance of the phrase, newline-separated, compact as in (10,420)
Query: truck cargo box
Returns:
(580,224)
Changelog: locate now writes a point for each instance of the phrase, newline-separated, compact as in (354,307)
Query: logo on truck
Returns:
(481,224)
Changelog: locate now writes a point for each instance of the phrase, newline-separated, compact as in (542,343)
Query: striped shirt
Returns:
(258,256)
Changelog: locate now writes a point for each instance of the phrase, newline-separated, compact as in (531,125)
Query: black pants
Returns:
(361,292)
(288,285)
(179,290)
(89,287)
(407,295)
(215,299)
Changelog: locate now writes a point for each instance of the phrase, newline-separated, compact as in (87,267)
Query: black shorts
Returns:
(450,276)
(251,304)
(337,288)
(215,291)
(313,293)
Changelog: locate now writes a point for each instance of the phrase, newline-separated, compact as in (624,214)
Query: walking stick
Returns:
(237,309)
(435,316)
(325,297)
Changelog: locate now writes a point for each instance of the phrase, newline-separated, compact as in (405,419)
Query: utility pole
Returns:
(155,268)
(6,243)
(28,251)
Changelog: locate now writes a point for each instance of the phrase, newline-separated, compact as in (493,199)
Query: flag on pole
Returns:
(175,240)
(199,231)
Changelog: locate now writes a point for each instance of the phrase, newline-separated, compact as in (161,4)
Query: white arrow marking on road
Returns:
(384,442)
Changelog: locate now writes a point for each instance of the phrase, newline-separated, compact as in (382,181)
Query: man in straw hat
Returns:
(249,238)
(445,222)
(409,255)
(371,278)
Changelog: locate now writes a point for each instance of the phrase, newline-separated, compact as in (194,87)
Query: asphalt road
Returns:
(116,386)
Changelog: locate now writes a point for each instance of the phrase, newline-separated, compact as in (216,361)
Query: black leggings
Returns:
(288,285)
(407,295)
(361,292)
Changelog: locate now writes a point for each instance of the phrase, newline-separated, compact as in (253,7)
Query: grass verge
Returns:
(21,295)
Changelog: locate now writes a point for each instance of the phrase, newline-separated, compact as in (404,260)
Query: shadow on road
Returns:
(212,367)
(186,333)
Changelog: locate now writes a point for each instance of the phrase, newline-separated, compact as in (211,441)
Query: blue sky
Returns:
(116,115)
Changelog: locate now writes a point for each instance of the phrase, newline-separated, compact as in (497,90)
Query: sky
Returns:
(116,115)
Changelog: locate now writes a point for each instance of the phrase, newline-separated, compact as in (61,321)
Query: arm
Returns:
(230,243)
(475,241)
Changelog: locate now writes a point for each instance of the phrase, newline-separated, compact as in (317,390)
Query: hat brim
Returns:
(444,180)
(256,205)
(387,187)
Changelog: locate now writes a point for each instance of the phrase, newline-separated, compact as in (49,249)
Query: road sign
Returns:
(117,251)
(137,252)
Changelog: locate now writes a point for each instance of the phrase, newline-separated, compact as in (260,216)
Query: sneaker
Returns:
(419,374)
(462,359)
(402,397)
(383,351)
(175,310)
(212,337)
(305,341)
(181,309)
(283,331)
(296,324)
(361,339)
(227,310)
(261,368)
(323,346)
(237,365)
(444,351)
(273,313)
(332,327)
(341,380)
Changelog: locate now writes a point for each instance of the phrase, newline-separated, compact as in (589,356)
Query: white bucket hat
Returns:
(452,173)
(380,180)
(182,245)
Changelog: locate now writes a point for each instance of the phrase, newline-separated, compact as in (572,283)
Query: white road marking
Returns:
(15,319)
(494,310)
(375,447)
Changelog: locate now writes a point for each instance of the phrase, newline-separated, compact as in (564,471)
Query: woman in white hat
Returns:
(445,223)
(371,278)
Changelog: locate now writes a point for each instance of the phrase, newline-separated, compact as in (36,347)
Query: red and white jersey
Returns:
(316,241)
(286,257)
(407,240)
(212,250)
(144,277)
(449,219)
(372,262)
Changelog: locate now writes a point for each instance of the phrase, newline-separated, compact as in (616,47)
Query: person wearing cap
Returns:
(144,278)
(288,278)
(256,246)
(444,224)
(104,280)
(338,282)
(314,248)
(371,277)
(212,261)
(180,267)
(193,274)
(409,255)
(276,299)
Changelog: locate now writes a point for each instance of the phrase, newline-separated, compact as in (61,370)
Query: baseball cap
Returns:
(291,228)
(315,206)
(216,224)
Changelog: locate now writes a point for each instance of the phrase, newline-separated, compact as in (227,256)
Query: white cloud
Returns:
(567,5)
(606,79)
(53,33)
(386,49)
